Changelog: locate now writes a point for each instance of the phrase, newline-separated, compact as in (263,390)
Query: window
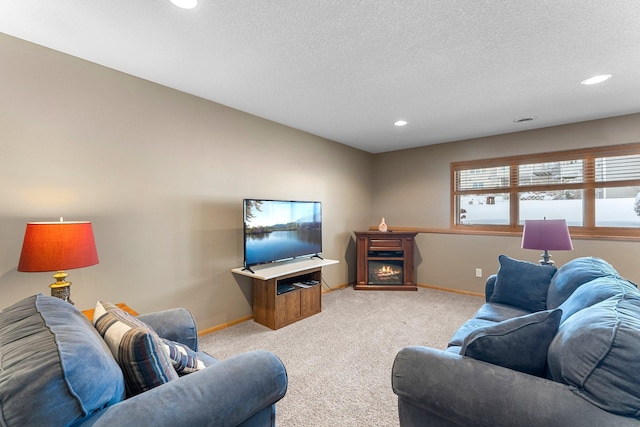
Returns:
(596,190)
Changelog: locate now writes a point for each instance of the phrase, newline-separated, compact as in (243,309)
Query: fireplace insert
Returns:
(386,272)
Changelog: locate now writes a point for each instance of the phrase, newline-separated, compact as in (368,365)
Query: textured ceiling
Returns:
(346,70)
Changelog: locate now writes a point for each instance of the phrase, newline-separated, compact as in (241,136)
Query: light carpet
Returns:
(339,361)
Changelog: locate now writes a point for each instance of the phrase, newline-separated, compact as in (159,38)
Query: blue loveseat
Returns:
(56,369)
(548,348)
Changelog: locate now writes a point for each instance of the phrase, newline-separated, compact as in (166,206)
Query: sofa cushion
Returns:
(467,327)
(136,347)
(522,284)
(520,343)
(184,360)
(596,351)
(499,312)
(595,291)
(574,274)
(54,367)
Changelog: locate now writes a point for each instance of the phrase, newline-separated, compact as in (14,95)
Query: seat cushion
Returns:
(206,358)
(55,369)
(573,274)
(596,351)
(467,327)
(522,284)
(520,343)
(136,347)
(499,312)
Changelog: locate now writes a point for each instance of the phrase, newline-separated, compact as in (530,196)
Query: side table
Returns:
(123,306)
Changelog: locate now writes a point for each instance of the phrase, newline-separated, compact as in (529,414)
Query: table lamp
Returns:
(57,246)
(546,234)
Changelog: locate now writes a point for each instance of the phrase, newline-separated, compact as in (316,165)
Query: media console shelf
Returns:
(275,310)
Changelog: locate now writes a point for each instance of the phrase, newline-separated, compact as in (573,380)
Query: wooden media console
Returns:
(284,293)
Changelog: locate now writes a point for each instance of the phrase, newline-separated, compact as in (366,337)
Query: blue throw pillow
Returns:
(463,331)
(522,284)
(520,343)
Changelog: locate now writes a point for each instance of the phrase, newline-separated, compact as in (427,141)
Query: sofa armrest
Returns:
(224,394)
(489,286)
(176,324)
(457,390)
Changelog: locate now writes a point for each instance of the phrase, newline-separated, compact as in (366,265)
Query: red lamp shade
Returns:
(56,246)
(546,234)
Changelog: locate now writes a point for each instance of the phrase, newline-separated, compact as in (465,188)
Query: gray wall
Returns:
(161,174)
(412,188)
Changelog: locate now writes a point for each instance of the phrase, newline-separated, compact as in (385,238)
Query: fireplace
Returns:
(389,272)
(385,261)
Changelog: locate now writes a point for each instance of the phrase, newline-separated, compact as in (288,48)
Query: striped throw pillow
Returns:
(185,360)
(136,347)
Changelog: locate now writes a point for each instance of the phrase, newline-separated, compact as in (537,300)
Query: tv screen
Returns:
(277,230)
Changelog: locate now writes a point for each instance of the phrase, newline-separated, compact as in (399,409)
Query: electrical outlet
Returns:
(478,272)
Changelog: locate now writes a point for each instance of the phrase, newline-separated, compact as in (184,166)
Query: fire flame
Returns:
(386,270)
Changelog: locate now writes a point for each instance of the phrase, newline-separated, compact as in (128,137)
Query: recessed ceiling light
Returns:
(400,123)
(185,4)
(596,79)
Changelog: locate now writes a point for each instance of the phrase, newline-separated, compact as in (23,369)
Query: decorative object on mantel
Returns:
(382,226)
(57,246)
(546,234)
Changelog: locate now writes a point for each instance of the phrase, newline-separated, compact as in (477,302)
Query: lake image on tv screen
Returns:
(276,230)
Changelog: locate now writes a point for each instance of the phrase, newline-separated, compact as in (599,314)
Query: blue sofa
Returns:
(56,369)
(548,348)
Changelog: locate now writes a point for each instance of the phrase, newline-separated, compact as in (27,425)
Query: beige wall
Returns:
(161,174)
(412,187)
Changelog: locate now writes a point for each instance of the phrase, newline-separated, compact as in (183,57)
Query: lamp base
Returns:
(61,288)
(546,259)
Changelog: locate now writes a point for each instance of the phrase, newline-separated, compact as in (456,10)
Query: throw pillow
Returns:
(522,284)
(596,352)
(185,360)
(136,347)
(520,343)
(463,331)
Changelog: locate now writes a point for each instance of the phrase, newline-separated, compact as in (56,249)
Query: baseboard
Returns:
(337,288)
(325,291)
(224,325)
(250,317)
(455,291)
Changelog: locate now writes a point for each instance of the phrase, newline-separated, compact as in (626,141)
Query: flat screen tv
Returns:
(278,230)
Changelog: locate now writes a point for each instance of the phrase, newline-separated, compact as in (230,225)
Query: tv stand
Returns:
(276,310)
